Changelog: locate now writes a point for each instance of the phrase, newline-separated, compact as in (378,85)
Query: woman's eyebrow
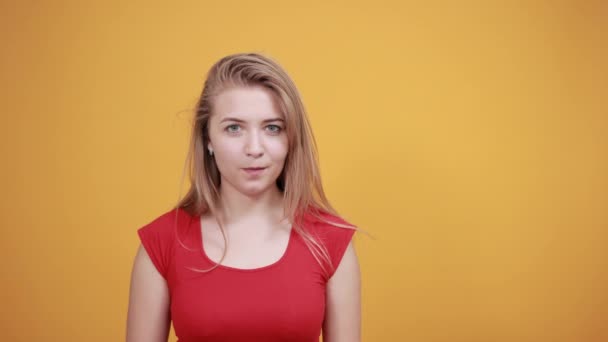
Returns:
(239,120)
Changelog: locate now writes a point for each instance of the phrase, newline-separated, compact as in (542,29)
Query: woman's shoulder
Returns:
(333,231)
(158,237)
(322,216)
(164,225)
(326,224)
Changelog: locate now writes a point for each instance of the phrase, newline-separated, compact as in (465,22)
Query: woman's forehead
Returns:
(247,104)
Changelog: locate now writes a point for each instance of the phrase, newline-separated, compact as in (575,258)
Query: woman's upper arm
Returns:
(148,317)
(343,301)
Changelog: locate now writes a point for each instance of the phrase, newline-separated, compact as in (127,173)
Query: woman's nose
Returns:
(254,145)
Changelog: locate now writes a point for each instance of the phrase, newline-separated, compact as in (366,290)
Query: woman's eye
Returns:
(230,128)
(274,128)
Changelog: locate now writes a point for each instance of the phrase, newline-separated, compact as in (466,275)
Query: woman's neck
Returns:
(238,207)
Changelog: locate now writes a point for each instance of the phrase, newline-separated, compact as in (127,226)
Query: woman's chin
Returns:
(255,190)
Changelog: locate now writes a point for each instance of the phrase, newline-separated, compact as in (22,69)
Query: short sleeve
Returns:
(340,238)
(157,238)
(334,238)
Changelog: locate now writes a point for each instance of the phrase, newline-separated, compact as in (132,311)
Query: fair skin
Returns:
(248,131)
(255,139)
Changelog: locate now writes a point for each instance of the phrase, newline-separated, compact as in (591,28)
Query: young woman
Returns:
(254,251)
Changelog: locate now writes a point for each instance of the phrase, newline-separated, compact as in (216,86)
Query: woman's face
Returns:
(247,130)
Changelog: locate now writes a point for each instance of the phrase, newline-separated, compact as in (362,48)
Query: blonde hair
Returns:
(300,180)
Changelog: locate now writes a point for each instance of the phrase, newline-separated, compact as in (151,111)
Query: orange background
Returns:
(471,139)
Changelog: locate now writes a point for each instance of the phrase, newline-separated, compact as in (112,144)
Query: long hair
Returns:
(300,180)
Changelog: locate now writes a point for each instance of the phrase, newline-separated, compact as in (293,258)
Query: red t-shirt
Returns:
(284,301)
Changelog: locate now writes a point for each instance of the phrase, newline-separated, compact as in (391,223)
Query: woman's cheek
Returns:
(279,148)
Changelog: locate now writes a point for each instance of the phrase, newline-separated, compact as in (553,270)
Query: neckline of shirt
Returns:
(201,246)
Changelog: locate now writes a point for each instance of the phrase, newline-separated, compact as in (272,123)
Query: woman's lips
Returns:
(254,171)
